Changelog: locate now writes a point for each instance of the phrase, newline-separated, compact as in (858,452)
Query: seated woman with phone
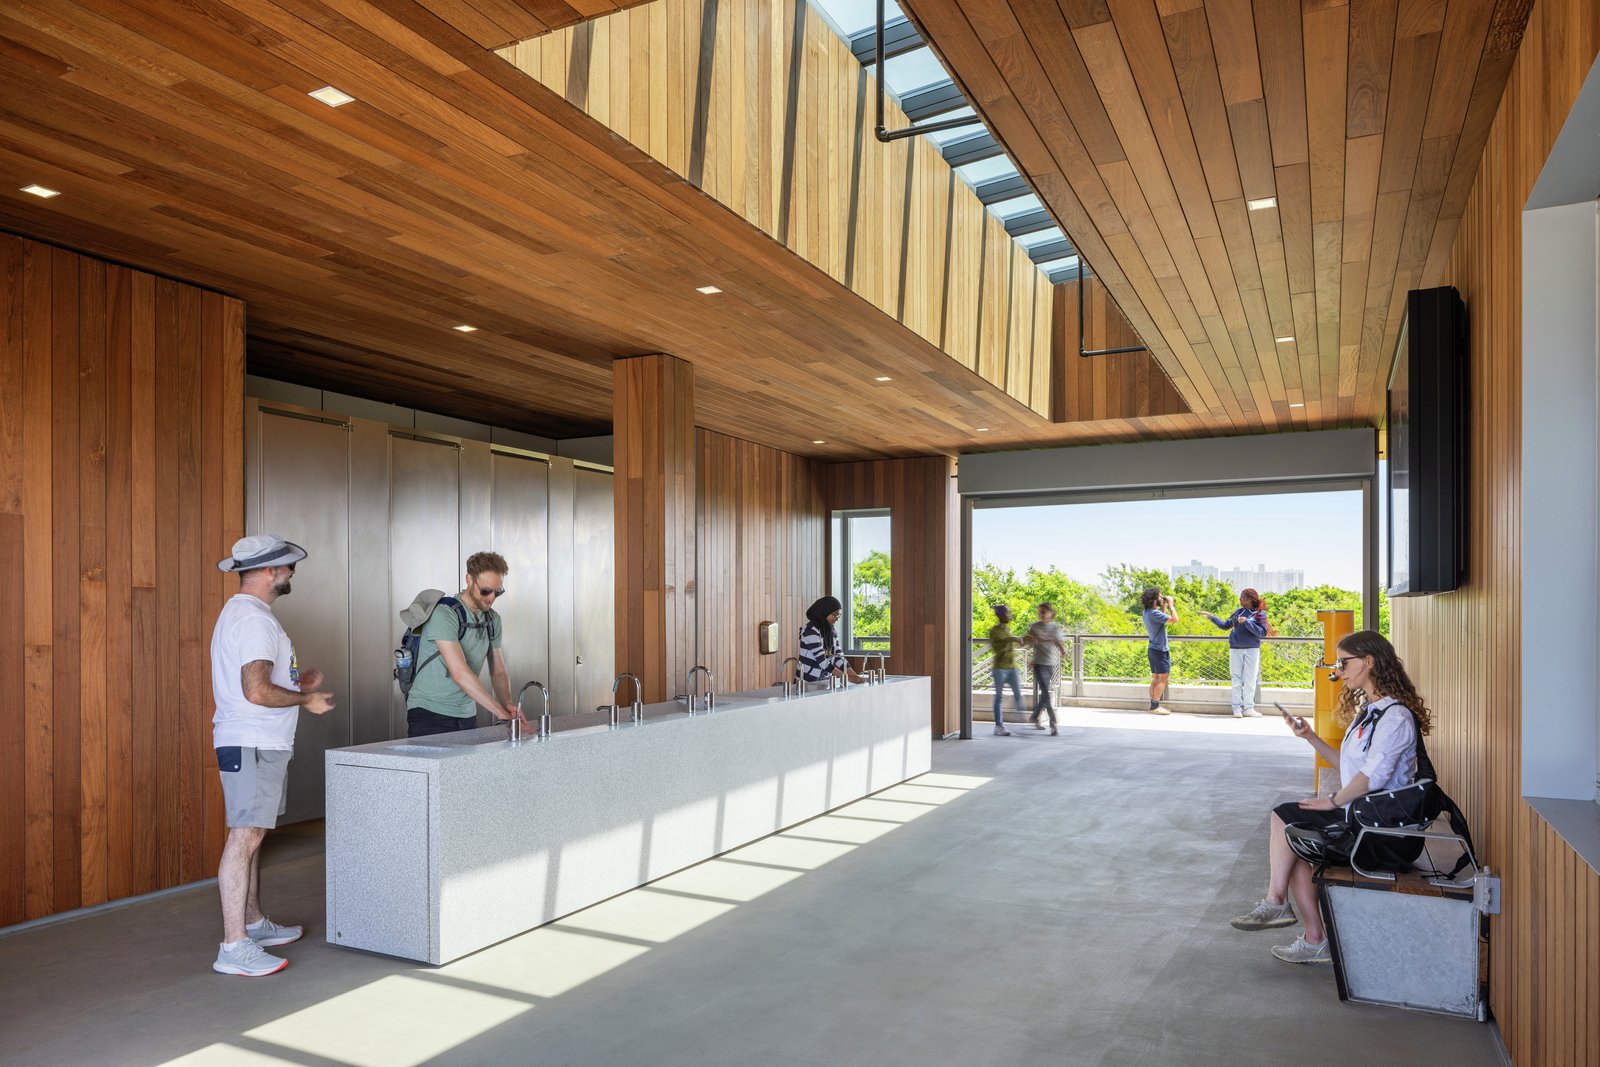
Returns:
(1383,714)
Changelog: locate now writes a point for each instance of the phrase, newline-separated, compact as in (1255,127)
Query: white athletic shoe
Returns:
(247,959)
(1303,951)
(269,934)
(1001,731)
(1251,713)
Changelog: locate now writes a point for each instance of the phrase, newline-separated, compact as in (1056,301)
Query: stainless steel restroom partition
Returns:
(386,512)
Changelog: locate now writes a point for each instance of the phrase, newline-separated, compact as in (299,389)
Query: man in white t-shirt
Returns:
(259,688)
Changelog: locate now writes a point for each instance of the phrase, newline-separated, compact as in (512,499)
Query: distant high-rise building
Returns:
(1260,579)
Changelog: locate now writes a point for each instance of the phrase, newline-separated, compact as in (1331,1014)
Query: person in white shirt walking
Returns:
(259,687)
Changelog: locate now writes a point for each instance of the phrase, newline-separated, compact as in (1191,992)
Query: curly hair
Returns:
(1388,679)
(1150,597)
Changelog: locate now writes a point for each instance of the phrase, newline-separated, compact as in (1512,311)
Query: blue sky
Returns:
(1319,533)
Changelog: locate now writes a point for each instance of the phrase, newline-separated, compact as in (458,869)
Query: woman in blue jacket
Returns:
(1246,627)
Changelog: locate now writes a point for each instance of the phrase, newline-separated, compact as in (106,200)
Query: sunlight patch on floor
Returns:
(739,882)
(645,915)
(225,1055)
(849,831)
(919,794)
(546,962)
(950,781)
(394,1022)
(790,852)
(883,810)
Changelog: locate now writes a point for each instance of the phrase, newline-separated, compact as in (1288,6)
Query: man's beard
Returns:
(282,588)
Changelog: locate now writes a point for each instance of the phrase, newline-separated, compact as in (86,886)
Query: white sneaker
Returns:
(1303,951)
(1159,710)
(1251,713)
(1265,916)
(1237,714)
(248,959)
(269,934)
(1001,731)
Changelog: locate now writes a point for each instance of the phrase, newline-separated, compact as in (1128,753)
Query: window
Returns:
(860,575)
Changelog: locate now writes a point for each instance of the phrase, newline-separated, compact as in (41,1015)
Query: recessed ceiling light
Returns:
(465,328)
(1262,204)
(1297,405)
(819,442)
(883,378)
(41,191)
(331,96)
(708,290)
(982,429)
(1284,340)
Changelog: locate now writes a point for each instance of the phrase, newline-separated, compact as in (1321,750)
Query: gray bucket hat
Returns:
(416,613)
(261,550)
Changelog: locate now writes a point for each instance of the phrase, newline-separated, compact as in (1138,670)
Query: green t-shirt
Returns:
(433,689)
(1004,643)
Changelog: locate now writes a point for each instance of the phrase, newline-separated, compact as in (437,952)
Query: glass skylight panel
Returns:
(944,137)
(851,17)
(917,69)
(1064,263)
(986,170)
(1029,240)
(1008,209)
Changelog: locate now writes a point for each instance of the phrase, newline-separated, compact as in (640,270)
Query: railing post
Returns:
(1077,666)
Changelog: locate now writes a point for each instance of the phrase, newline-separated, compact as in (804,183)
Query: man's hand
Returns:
(506,712)
(310,680)
(318,703)
(1317,804)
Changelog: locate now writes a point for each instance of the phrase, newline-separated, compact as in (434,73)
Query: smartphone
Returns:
(1292,720)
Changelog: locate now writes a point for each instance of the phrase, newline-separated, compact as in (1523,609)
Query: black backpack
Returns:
(1411,807)
(406,667)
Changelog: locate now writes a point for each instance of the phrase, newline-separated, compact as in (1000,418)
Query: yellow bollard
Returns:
(1337,624)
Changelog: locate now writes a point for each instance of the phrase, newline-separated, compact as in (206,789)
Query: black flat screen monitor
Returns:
(1427,420)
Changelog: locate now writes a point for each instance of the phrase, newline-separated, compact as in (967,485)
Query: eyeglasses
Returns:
(491,592)
(1340,661)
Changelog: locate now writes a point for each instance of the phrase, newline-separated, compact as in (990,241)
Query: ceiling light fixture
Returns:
(883,378)
(41,191)
(1284,340)
(708,290)
(982,429)
(1262,204)
(819,442)
(1297,405)
(331,96)
(465,328)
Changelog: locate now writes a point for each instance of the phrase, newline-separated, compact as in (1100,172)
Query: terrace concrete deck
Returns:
(1037,899)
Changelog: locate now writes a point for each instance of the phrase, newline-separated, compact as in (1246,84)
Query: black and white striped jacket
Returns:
(817,662)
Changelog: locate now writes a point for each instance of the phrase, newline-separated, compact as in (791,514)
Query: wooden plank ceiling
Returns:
(497,23)
(1148,127)
(454,191)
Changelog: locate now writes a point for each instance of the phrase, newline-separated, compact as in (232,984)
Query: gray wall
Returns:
(386,511)
(1559,335)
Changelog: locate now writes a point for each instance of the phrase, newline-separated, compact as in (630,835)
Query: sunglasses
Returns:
(492,592)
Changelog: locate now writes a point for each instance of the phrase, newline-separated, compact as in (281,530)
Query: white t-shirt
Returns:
(1390,761)
(248,631)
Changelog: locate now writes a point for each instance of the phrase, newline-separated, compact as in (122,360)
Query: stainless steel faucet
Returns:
(790,676)
(544,716)
(882,671)
(688,685)
(638,701)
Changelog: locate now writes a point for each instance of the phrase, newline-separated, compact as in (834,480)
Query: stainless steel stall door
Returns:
(424,532)
(304,496)
(594,568)
(520,516)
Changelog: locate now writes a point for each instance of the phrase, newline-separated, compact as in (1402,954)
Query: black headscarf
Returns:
(818,613)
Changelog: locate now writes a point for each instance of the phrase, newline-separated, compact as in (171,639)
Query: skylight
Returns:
(917,80)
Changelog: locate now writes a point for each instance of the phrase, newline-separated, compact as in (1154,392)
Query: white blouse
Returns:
(1384,750)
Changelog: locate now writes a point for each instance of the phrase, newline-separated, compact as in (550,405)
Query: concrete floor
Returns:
(1037,900)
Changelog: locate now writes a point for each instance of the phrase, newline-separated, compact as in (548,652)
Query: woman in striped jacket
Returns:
(820,659)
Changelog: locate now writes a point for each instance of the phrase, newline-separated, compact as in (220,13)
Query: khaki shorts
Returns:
(253,784)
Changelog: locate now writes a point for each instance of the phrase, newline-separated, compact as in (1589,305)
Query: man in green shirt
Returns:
(448,687)
(1004,645)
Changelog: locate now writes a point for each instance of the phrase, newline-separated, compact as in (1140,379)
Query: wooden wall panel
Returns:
(653,399)
(762,539)
(1462,648)
(1128,385)
(924,567)
(790,149)
(108,539)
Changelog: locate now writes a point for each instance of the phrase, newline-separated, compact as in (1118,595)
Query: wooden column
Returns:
(653,415)
(925,627)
